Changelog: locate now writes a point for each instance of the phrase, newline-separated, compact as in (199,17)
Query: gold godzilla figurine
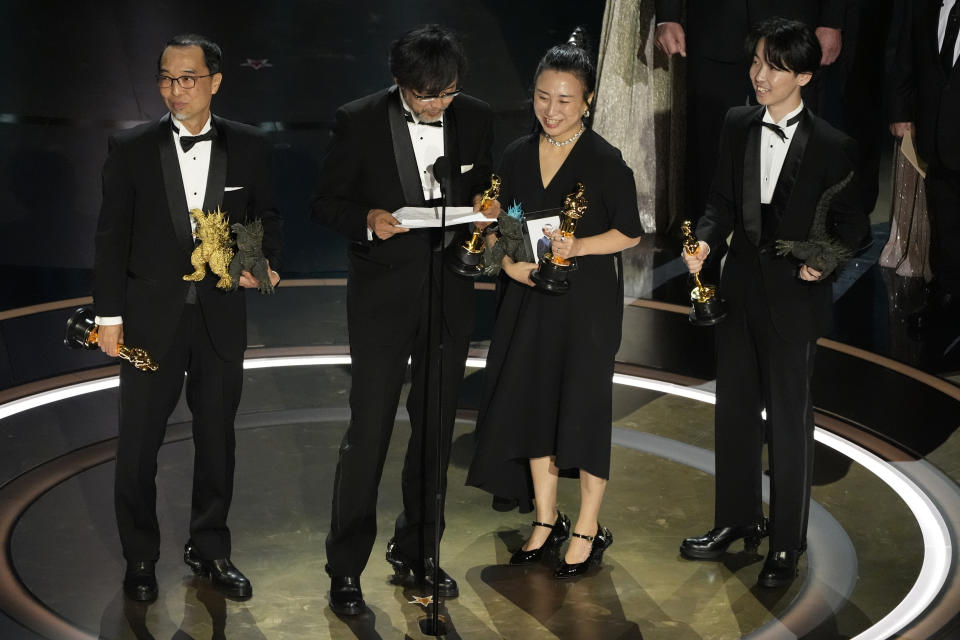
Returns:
(213,231)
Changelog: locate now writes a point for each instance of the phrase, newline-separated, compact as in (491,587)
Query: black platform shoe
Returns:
(140,581)
(224,577)
(346,598)
(779,569)
(560,532)
(423,575)
(714,543)
(601,541)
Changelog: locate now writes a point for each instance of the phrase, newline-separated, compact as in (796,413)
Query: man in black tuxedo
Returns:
(925,98)
(776,163)
(711,39)
(154,175)
(380,159)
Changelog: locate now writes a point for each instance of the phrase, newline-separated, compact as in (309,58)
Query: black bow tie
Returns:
(409,118)
(187,142)
(777,129)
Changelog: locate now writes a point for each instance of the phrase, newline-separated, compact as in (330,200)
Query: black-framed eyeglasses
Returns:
(439,96)
(185,82)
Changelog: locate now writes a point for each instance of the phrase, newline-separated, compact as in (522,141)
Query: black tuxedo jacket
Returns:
(716,29)
(921,91)
(370,164)
(143,240)
(819,158)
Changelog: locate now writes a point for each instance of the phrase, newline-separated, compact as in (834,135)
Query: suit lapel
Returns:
(217,174)
(173,185)
(451,149)
(792,163)
(403,151)
(752,222)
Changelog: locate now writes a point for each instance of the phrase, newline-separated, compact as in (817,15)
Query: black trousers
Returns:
(943,204)
(378,372)
(146,401)
(757,369)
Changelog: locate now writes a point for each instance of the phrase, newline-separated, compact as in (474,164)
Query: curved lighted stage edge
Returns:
(831,568)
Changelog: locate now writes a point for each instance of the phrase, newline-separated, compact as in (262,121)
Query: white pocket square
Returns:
(465,167)
(232,188)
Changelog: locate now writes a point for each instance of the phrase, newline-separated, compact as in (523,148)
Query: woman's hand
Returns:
(564,246)
(519,271)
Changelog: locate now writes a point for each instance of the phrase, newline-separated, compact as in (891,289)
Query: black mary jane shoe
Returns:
(423,575)
(779,569)
(346,598)
(140,581)
(714,543)
(224,577)
(600,542)
(560,531)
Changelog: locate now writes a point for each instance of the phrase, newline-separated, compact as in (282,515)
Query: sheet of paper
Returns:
(909,150)
(421,217)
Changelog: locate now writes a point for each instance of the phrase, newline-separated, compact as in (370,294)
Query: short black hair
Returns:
(212,53)
(790,45)
(428,58)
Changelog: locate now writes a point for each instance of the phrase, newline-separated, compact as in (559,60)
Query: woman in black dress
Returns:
(547,399)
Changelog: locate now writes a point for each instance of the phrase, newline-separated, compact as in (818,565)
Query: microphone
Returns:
(441,171)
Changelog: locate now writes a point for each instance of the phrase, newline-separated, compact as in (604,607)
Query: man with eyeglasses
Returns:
(380,159)
(154,175)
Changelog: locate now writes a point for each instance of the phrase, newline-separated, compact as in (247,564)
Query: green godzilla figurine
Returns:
(249,255)
(820,251)
(510,242)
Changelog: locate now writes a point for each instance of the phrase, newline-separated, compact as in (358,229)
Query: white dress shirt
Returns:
(427,147)
(942,28)
(773,151)
(194,167)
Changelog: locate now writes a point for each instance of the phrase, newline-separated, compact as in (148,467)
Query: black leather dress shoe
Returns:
(560,531)
(601,541)
(140,581)
(346,598)
(225,577)
(423,574)
(714,543)
(779,569)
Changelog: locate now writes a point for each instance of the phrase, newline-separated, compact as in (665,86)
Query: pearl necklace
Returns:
(550,139)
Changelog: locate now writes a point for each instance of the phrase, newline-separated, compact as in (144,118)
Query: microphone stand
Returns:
(432,625)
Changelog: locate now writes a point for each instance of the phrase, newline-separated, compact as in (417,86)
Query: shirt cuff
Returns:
(106,321)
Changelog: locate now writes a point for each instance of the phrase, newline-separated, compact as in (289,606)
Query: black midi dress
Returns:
(548,386)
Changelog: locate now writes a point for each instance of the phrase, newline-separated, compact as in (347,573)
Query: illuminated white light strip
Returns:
(294,361)
(936,536)
(55,395)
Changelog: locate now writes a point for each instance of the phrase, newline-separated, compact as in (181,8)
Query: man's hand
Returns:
(383,225)
(900,129)
(830,42)
(490,210)
(109,337)
(809,274)
(671,38)
(247,281)
(694,261)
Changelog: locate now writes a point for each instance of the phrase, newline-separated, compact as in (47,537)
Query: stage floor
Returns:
(880,541)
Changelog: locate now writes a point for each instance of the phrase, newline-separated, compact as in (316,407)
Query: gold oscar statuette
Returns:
(552,273)
(82,331)
(707,306)
(467,257)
